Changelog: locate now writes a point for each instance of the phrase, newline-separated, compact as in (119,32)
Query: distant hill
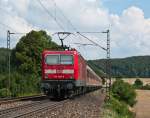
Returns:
(96,69)
(137,66)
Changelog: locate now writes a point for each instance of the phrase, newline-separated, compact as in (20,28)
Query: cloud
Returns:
(130,31)
(12,20)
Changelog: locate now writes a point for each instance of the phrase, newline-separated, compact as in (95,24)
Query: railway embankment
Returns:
(84,106)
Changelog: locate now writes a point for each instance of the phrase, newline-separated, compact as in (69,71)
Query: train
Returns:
(65,73)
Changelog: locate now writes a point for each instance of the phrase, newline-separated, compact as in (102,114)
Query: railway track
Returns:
(30,110)
(11,100)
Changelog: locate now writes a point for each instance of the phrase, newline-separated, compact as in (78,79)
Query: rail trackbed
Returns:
(11,100)
(30,110)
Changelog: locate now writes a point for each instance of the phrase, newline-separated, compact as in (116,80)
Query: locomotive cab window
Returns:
(66,59)
(52,59)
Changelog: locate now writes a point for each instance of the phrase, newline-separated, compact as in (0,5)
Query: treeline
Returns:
(137,66)
(25,62)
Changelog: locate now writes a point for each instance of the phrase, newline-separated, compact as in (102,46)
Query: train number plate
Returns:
(59,71)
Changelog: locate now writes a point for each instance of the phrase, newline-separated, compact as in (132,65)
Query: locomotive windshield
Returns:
(59,59)
(66,59)
(52,59)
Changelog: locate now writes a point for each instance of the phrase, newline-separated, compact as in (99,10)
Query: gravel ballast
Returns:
(14,104)
(85,106)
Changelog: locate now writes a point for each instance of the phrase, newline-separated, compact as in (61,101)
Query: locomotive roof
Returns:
(60,51)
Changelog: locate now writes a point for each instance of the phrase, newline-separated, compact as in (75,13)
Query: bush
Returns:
(124,92)
(146,87)
(4,92)
(138,84)
(117,109)
(20,85)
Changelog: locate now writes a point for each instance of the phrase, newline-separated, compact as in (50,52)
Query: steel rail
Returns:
(11,100)
(48,107)
(10,111)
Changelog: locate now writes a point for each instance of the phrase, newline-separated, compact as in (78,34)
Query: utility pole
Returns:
(9,57)
(8,49)
(108,65)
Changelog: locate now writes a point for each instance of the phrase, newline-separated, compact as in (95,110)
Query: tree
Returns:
(138,83)
(27,54)
(3,60)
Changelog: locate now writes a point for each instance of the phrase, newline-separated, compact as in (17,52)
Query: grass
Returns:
(28,94)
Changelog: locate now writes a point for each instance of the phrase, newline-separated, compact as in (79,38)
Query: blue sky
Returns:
(117,6)
(128,21)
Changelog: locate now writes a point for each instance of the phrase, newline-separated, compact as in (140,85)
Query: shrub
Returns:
(20,85)
(138,84)
(124,92)
(146,87)
(117,109)
(4,92)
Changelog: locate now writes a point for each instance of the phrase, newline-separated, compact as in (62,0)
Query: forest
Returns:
(136,66)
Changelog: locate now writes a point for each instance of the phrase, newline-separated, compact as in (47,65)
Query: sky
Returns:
(117,6)
(128,21)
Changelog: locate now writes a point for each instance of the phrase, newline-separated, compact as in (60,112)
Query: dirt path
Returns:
(142,107)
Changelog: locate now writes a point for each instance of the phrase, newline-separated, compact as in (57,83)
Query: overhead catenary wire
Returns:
(74,28)
(3,24)
(91,32)
(84,45)
(47,11)
(87,44)
(92,41)
(54,17)
(15,32)
(6,26)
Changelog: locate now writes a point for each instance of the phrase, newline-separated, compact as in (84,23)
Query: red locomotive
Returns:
(65,73)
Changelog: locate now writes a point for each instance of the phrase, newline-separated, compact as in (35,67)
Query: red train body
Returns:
(66,72)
